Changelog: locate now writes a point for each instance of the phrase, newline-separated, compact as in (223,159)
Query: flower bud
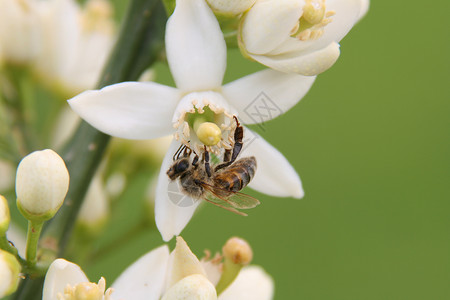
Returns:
(4,215)
(238,251)
(42,181)
(230,7)
(192,287)
(9,273)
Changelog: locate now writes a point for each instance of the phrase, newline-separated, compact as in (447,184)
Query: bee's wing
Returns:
(211,198)
(234,199)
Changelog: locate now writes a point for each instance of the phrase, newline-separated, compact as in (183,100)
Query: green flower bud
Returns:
(9,273)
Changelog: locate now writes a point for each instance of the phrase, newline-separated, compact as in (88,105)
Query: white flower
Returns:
(159,275)
(75,42)
(298,36)
(42,181)
(19,35)
(196,54)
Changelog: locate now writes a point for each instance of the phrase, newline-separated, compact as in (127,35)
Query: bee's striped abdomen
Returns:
(238,175)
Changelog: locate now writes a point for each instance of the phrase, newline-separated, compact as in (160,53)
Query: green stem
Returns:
(33,234)
(6,245)
(229,274)
(139,45)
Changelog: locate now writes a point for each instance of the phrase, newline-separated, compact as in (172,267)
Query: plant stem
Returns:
(33,234)
(5,245)
(139,44)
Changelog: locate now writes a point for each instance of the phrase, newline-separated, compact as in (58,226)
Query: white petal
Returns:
(60,274)
(195,47)
(269,23)
(252,283)
(265,95)
(274,175)
(182,263)
(144,279)
(305,64)
(173,209)
(364,9)
(213,270)
(132,110)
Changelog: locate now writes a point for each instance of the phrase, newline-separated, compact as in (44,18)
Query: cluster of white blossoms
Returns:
(65,44)
(296,39)
(160,274)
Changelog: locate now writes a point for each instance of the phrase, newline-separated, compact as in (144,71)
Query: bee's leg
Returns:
(195,161)
(238,137)
(227,155)
(207,166)
(175,157)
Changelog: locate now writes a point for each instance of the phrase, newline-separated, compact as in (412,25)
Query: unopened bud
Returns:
(238,251)
(9,273)
(4,215)
(230,7)
(192,287)
(42,181)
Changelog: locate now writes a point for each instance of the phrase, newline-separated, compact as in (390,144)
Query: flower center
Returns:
(313,21)
(204,119)
(87,291)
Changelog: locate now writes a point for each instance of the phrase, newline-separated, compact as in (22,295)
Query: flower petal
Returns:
(132,110)
(182,263)
(195,47)
(173,209)
(364,9)
(268,23)
(308,64)
(60,274)
(144,279)
(275,175)
(269,88)
(252,283)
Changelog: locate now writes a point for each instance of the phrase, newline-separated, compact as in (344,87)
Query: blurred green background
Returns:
(371,142)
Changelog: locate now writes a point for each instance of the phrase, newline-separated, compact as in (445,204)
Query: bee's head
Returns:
(178,168)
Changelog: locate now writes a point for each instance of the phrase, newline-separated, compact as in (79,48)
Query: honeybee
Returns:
(219,185)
